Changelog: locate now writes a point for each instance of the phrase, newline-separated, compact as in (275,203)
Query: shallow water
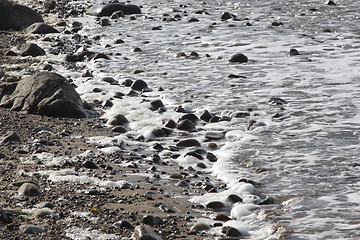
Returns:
(307,159)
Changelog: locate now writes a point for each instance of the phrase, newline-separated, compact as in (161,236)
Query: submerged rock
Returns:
(239,58)
(16,17)
(45,93)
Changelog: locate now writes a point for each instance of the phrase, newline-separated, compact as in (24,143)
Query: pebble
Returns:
(145,233)
(156,104)
(169,123)
(200,226)
(186,125)
(234,198)
(10,137)
(123,224)
(239,58)
(152,220)
(4,216)
(221,217)
(214,136)
(31,49)
(206,116)
(216,205)
(190,116)
(29,189)
(118,119)
(211,157)
(42,212)
(89,164)
(188,143)
(31,229)
(139,85)
(294,52)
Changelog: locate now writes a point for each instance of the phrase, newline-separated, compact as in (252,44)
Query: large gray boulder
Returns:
(45,93)
(16,17)
(109,9)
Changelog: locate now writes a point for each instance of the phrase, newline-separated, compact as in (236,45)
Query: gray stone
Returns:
(4,216)
(16,17)
(40,28)
(152,220)
(118,119)
(10,137)
(31,49)
(125,224)
(186,125)
(139,85)
(239,58)
(29,189)
(42,212)
(145,233)
(199,226)
(109,9)
(45,93)
(30,229)
(89,164)
(188,143)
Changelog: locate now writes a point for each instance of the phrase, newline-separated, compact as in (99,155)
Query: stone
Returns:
(234,198)
(201,165)
(4,217)
(31,49)
(226,16)
(145,233)
(231,232)
(221,217)
(194,154)
(42,212)
(124,224)
(186,125)
(188,143)
(29,190)
(40,28)
(169,123)
(110,80)
(331,3)
(118,119)
(239,58)
(10,137)
(109,9)
(206,116)
(30,229)
(216,205)
(200,226)
(45,93)
(139,85)
(190,116)
(241,114)
(16,17)
(152,220)
(211,157)
(294,52)
(119,129)
(89,164)
(156,104)
(214,136)
(277,101)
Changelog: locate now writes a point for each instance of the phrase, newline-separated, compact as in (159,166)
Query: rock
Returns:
(4,216)
(190,116)
(199,226)
(45,93)
(109,9)
(239,58)
(186,125)
(216,205)
(124,224)
(89,164)
(10,137)
(241,115)
(249,124)
(145,233)
(117,14)
(139,85)
(206,116)
(156,104)
(118,119)
(201,165)
(277,101)
(29,189)
(188,143)
(40,28)
(45,205)
(152,220)
(231,232)
(100,56)
(176,176)
(16,17)
(119,129)
(30,229)
(110,80)
(221,217)
(31,49)
(161,132)
(214,136)
(194,154)
(137,49)
(294,52)
(211,157)
(42,212)
(226,16)
(234,198)
(169,123)
(331,3)
(268,201)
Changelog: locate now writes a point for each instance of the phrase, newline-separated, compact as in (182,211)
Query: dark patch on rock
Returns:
(16,17)
(45,93)
(109,9)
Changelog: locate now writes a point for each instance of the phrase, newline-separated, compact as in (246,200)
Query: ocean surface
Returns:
(305,151)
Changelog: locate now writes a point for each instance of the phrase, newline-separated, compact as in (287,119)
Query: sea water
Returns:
(307,159)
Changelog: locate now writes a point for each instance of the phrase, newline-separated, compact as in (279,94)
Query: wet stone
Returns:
(194,154)
(214,136)
(211,157)
(188,143)
(221,217)
(190,116)
(200,227)
(206,116)
(216,205)
(234,198)
(186,125)
(239,58)
(156,104)
(152,220)
(119,129)
(139,85)
(201,165)
(241,115)
(125,224)
(89,164)
(169,123)
(29,189)
(294,52)
(231,232)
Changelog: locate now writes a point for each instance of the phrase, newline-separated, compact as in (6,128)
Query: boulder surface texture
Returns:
(16,17)
(45,93)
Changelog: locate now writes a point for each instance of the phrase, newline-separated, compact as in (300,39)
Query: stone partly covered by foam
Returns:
(16,17)
(109,9)
(44,93)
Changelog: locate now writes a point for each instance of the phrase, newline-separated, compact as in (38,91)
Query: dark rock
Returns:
(226,16)
(104,22)
(206,116)
(156,104)
(124,224)
(183,183)
(45,93)
(109,9)
(294,52)
(249,124)
(110,80)
(29,189)
(194,154)
(235,76)
(215,119)
(169,123)
(193,20)
(118,119)
(331,3)
(268,201)
(215,205)
(16,17)
(241,115)
(137,49)
(41,28)
(89,164)
(277,101)
(176,176)
(4,216)
(145,233)
(100,56)
(161,132)
(239,58)
(201,165)
(10,137)
(234,198)
(276,24)
(190,116)
(119,41)
(10,53)
(211,157)
(30,229)
(31,49)
(188,143)
(221,217)
(200,227)
(152,220)
(139,85)
(186,125)
(231,232)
